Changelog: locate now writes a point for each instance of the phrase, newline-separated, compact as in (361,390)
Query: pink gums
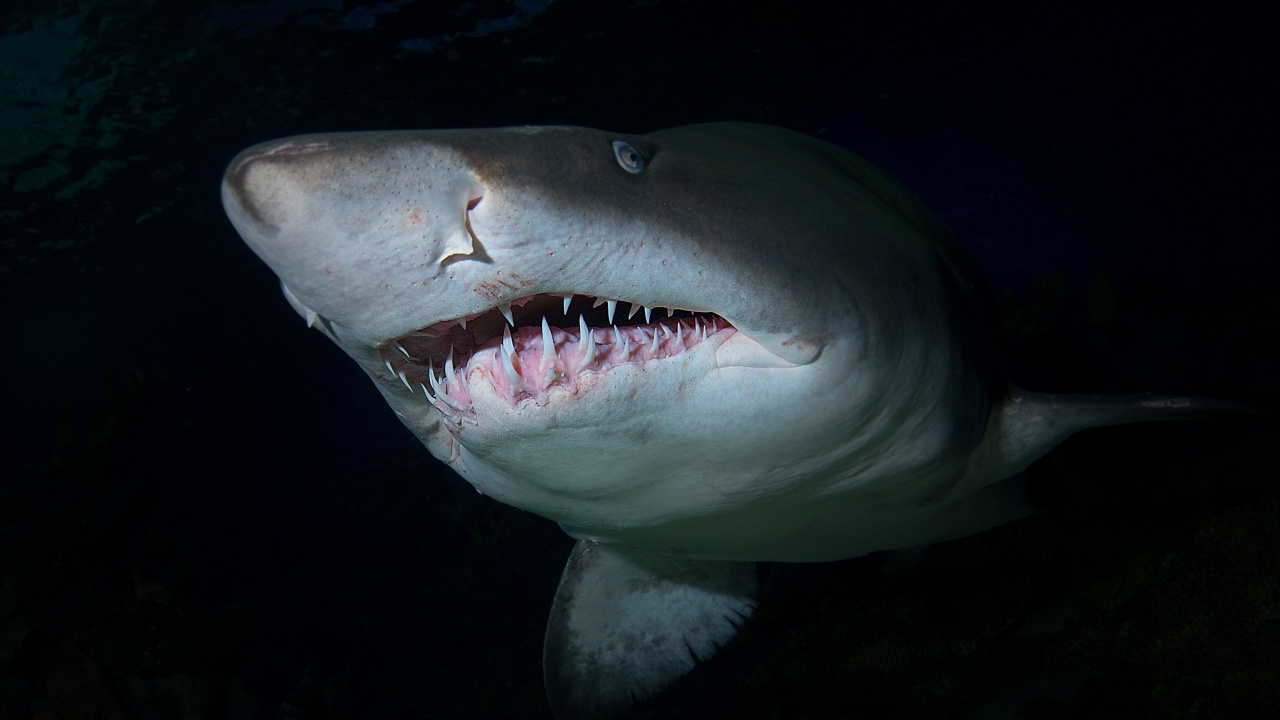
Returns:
(536,372)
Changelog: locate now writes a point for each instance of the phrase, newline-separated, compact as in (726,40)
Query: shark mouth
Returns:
(532,344)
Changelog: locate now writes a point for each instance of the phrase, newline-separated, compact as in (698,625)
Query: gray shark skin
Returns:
(694,349)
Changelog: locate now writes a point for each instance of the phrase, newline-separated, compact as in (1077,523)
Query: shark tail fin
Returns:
(624,626)
(1027,425)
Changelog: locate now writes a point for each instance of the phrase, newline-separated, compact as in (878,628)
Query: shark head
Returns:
(702,346)
(622,332)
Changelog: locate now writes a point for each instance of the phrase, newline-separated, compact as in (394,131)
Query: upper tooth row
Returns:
(505,309)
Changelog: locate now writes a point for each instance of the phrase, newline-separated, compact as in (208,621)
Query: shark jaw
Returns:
(529,348)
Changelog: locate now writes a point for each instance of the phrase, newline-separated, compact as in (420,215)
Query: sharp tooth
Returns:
(509,369)
(666,331)
(430,399)
(505,309)
(590,354)
(616,335)
(582,328)
(548,342)
(598,302)
(670,312)
(567,299)
(406,382)
(449,375)
(680,332)
(613,307)
(510,349)
(441,394)
(648,314)
(388,362)
(463,323)
(635,308)
(626,346)
(654,348)
(406,352)
(704,332)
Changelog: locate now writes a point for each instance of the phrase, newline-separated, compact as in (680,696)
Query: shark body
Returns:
(695,349)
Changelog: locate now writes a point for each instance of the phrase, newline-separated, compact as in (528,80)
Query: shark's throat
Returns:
(530,346)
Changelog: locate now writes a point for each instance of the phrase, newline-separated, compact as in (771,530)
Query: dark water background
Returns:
(206,506)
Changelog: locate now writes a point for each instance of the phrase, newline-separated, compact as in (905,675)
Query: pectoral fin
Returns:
(625,625)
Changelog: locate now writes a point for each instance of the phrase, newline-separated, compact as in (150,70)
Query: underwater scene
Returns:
(209,512)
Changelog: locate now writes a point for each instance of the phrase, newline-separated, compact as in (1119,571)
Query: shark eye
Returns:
(628,157)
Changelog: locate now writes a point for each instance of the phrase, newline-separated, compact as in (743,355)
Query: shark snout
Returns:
(340,189)
(242,184)
(354,227)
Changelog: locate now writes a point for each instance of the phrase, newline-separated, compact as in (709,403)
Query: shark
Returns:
(695,350)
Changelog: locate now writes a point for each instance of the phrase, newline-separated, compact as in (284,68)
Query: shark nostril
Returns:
(476,251)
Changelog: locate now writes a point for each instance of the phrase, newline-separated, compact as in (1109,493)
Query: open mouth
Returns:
(532,344)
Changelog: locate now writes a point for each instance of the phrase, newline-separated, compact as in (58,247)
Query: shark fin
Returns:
(1028,425)
(624,625)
